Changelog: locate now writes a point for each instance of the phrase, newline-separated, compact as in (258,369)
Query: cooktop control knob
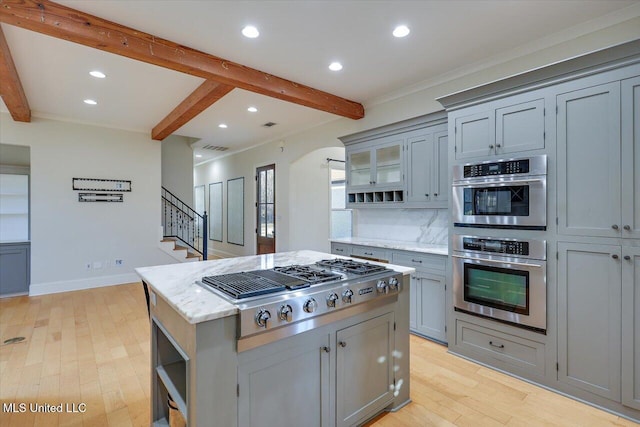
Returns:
(310,305)
(346,296)
(262,316)
(393,284)
(285,313)
(383,288)
(331,299)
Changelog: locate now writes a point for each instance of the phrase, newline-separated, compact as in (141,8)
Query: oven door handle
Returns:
(496,182)
(524,264)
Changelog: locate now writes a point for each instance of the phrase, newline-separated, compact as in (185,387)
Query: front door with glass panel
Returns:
(266,209)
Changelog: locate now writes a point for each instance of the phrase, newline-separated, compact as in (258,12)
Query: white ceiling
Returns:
(298,39)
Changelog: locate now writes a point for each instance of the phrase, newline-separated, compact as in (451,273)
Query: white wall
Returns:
(67,234)
(177,167)
(309,212)
(413,102)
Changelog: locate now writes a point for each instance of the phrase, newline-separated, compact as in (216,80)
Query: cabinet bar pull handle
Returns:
(342,344)
(615,256)
(491,343)
(416,260)
(627,258)
(339,250)
(368,253)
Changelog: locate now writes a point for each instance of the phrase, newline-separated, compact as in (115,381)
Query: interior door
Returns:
(266,209)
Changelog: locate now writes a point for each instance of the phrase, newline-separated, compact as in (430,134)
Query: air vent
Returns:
(214,148)
(269,124)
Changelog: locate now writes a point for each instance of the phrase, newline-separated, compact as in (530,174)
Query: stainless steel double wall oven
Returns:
(503,278)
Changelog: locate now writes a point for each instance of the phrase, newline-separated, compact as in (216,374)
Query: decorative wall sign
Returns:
(215,211)
(96,184)
(100,197)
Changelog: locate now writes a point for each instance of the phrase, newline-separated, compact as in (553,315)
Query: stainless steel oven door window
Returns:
(509,289)
(501,203)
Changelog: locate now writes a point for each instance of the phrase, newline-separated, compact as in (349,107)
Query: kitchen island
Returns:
(338,368)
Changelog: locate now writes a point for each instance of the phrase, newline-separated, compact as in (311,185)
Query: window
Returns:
(340,217)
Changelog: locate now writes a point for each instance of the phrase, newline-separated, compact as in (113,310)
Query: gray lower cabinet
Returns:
(303,369)
(14,268)
(589,320)
(429,294)
(364,370)
(427,315)
(301,372)
(631,327)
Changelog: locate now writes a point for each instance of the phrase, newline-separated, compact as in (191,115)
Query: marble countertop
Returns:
(176,283)
(395,244)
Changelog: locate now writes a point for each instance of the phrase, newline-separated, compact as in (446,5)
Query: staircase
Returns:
(183,234)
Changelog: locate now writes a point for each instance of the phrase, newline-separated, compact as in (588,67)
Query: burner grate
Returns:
(350,266)
(308,274)
(243,285)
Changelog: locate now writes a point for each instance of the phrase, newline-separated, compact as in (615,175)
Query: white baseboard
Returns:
(221,254)
(80,284)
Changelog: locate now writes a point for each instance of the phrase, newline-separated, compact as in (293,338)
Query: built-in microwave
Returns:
(501,278)
(509,193)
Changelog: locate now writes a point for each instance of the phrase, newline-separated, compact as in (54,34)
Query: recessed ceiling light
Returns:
(90,102)
(198,155)
(401,31)
(222,125)
(335,66)
(250,31)
(252,109)
(98,74)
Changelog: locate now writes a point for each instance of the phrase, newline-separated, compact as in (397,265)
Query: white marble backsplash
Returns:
(428,226)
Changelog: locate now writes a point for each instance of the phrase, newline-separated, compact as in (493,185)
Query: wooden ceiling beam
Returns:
(204,96)
(10,87)
(62,22)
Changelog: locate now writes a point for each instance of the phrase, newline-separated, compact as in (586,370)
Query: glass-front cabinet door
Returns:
(360,168)
(388,164)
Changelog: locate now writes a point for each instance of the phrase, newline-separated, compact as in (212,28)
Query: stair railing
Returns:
(183,223)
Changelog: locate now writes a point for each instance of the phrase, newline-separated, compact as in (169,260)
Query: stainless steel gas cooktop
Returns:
(283,295)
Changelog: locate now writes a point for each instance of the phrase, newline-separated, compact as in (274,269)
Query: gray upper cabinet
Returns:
(520,127)
(631,327)
(427,167)
(475,135)
(631,157)
(512,125)
(404,164)
(379,166)
(589,321)
(599,160)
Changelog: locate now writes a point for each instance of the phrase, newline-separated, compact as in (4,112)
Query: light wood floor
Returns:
(92,347)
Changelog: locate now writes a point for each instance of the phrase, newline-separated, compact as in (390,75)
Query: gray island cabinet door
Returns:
(289,387)
(364,370)
(631,327)
(589,161)
(589,321)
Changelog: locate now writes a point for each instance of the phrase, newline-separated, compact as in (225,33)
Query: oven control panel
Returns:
(499,247)
(506,167)
(507,247)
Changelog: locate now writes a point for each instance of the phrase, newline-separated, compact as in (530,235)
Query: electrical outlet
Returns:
(97,265)
(118,263)
(87,266)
